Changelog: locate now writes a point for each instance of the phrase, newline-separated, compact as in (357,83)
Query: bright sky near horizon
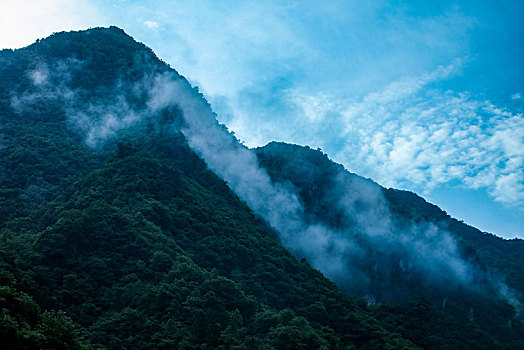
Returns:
(417,95)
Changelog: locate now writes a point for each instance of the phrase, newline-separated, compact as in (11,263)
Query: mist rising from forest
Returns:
(419,248)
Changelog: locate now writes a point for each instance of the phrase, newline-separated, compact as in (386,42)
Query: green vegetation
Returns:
(136,244)
(152,249)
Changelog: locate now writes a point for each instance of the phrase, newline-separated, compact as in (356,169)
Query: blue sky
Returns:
(417,95)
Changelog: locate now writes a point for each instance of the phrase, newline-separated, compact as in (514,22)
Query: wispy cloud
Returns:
(420,248)
(406,134)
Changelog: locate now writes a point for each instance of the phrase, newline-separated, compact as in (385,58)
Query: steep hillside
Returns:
(324,188)
(117,223)
(116,232)
(398,247)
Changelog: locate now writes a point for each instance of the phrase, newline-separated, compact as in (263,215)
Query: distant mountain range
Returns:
(131,219)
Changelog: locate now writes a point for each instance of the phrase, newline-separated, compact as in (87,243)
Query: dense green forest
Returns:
(119,236)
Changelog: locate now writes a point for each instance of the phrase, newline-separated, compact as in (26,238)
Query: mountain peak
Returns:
(82,43)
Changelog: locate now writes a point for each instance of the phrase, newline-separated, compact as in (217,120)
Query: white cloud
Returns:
(401,138)
(24,21)
(151,24)
(516,96)
(509,188)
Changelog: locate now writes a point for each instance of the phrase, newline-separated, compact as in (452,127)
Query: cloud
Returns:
(516,96)
(151,24)
(100,121)
(410,134)
(344,255)
(509,188)
(49,84)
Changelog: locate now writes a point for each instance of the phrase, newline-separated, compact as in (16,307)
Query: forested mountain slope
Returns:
(116,233)
(400,247)
(323,187)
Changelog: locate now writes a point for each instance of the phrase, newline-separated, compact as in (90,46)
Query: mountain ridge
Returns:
(410,196)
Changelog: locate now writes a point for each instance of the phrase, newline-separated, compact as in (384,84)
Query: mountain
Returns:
(391,224)
(398,246)
(130,218)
